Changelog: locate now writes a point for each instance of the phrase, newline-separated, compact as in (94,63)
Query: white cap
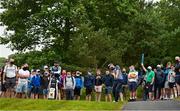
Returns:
(177,58)
(159,66)
(45,67)
(38,70)
(149,67)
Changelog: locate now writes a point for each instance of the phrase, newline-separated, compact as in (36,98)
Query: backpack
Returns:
(78,82)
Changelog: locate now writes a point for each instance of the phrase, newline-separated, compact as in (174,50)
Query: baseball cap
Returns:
(149,67)
(45,67)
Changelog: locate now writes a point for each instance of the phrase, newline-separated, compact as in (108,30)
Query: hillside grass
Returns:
(40,104)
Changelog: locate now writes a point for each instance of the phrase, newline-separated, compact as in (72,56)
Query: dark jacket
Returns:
(89,81)
(108,80)
(159,76)
(177,67)
(98,81)
(125,78)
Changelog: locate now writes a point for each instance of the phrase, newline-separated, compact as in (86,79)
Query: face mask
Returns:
(68,75)
(25,68)
(89,73)
(149,70)
(158,68)
(123,71)
(11,62)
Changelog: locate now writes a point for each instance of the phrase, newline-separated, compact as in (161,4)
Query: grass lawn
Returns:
(29,104)
(178,98)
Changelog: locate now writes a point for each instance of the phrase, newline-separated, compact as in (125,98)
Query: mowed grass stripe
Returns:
(40,104)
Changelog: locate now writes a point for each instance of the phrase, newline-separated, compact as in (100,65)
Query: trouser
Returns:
(157,88)
(145,94)
(69,94)
(116,89)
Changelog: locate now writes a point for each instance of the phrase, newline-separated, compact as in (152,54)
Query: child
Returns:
(36,83)
(98,85)
(132,79)
(79,85)
(108,82)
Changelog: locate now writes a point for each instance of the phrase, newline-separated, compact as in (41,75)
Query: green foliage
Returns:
(2,61)
(92,33)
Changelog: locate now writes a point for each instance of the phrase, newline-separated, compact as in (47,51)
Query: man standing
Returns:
(89,82)
(23,76)
(9,78)
(158,83)
(149,78)
(108,80)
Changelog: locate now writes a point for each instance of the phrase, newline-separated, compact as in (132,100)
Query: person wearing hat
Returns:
(158,83)
(117,85)
(9,78)
(78,86)
(29,92)
(45,81)
(36,83)
(149,79)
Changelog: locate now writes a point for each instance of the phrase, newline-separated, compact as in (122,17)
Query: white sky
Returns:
(4,51)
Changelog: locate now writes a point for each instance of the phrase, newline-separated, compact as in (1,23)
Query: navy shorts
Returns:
(89,91)
(77,91)
(108,90)
(36,90)
(132,86)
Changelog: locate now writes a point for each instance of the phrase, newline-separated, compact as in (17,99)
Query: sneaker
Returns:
(175,95)
(130,100)
(172,97)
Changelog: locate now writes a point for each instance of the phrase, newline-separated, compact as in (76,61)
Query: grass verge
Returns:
(40,104)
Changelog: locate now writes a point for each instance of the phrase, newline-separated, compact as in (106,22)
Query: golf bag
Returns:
(53,88)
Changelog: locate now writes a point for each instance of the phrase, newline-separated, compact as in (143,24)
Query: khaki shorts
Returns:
(98,88)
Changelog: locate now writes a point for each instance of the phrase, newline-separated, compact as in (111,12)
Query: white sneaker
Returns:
(166,98)
(172,97)
(175,95)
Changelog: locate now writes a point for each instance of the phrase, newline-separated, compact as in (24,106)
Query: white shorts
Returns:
(98,88)
(166,85)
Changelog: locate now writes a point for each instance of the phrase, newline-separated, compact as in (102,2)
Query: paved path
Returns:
(153,105)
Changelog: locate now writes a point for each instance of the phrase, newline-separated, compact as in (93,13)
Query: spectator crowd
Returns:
(158,83)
